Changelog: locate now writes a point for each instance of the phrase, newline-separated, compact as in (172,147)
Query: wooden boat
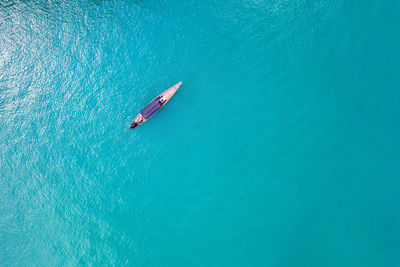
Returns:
(154,106)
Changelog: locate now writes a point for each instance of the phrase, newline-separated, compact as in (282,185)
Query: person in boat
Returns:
(133,125)
(161,100)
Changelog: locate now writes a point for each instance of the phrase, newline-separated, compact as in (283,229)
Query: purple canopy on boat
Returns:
(150,109)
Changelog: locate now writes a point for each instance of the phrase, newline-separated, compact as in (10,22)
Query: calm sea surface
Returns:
(281,148)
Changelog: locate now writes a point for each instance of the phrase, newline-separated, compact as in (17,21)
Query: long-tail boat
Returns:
(154,106)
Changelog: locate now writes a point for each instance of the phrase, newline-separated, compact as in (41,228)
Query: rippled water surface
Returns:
(281,148)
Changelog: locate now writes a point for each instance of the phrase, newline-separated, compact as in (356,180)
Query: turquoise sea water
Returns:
(281,148)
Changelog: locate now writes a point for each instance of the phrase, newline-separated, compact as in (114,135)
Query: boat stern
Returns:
(137,121)
(133,125)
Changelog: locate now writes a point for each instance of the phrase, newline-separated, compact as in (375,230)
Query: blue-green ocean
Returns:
(281,148)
